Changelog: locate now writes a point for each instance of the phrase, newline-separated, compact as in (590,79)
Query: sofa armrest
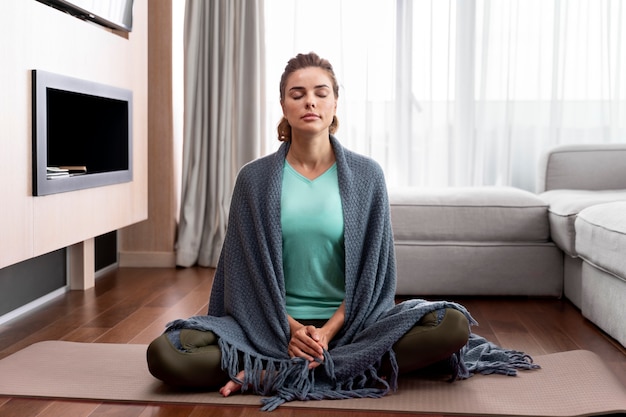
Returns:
(583,167)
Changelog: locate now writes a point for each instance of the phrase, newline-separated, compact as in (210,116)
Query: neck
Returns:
(311,158)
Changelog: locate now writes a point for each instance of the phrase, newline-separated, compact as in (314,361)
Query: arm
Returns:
(332,326)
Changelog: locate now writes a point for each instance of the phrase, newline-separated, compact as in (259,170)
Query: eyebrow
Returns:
(315,88)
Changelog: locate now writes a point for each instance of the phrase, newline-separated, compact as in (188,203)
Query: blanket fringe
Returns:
(300,388)
(484,357)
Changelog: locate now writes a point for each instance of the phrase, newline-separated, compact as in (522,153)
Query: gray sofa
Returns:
(585,187)
(503,241)
(474,241)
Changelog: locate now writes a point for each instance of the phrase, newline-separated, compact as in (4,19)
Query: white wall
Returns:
(36,36)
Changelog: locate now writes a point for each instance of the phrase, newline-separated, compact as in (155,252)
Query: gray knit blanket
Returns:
(247,305)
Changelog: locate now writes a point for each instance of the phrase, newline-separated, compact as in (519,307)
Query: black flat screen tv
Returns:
(115,14)
(82,134)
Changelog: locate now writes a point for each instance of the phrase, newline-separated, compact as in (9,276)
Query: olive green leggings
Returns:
(199,366)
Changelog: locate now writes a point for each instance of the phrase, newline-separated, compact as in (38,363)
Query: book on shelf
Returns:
(74,169)
(65,171)
(56,172)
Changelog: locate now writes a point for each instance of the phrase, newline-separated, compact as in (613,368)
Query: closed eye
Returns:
(321,91)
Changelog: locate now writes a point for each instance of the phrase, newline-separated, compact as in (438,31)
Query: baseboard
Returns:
(147,259)
(103,271)
(33,305)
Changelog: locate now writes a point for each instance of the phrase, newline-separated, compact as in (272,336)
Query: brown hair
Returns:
(301,61)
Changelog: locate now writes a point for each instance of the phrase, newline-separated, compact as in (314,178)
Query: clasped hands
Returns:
(308,342)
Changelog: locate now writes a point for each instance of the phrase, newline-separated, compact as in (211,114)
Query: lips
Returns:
(310,116)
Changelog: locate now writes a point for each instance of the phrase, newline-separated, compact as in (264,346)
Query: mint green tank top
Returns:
(313,245)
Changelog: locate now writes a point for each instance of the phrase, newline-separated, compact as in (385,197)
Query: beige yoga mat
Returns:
(574,383)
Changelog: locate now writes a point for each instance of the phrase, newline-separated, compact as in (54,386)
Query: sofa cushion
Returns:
(565,206)
(479,214)
(597,166)
(601,237)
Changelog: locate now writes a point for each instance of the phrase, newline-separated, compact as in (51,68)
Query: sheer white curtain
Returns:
(547,73)
(464,92)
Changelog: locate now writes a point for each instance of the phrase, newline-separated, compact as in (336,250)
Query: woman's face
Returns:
(309,104)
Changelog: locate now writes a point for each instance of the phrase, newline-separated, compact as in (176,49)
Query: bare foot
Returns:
(232,386)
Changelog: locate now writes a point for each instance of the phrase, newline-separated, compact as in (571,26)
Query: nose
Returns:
(310,101)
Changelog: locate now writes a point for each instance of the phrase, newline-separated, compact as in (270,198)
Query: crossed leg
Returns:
(428,342)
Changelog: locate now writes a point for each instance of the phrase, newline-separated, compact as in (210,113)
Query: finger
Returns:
(313,362)
(311,339)
(313,333)
(296,352)
(307,347)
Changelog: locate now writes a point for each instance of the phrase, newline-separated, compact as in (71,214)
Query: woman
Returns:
(302,305)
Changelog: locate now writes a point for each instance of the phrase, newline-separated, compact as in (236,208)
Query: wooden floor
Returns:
(132,305)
